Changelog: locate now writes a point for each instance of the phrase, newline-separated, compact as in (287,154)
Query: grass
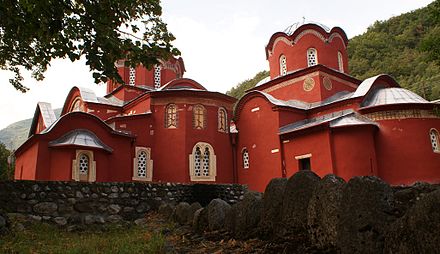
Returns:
(45,238)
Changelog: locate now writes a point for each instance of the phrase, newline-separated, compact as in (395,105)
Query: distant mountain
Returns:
(17,133)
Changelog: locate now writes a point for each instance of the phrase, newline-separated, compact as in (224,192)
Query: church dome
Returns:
(392,95)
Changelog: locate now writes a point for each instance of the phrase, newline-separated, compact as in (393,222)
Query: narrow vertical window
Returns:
(435,143)
(83,165)
(206,162)
(283,65)
(202,163)
(245,155)
(340,62)
(142,164)
(312,57)
(157,74)
(197,161)
(171,116)
(199,117)
(222,120)
(132,76)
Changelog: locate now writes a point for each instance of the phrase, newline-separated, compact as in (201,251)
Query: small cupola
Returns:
(155,78)
(306,45)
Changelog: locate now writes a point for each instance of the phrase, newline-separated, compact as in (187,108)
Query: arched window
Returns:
(199,117)
(312,57)
(202,163)
(171,116)
(340,62)
(157,74)
(132,76)
(283,65)
(84,167)
(222,120)
(245,156)
(142,164)
(76,105)
(435,141)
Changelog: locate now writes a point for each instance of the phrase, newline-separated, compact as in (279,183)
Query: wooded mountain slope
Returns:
(407,47)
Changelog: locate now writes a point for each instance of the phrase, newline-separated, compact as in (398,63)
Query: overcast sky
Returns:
(222,43)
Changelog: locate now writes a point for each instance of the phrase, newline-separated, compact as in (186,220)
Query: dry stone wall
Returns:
(97,203)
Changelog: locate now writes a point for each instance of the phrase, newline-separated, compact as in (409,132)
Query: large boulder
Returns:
(406,196)
(166,210)
(296,197)
(200,221)
(217,210)
(181,213)
(272,205)
(323,211)
(365,213)
(248,215)
(191,211)
(417,231)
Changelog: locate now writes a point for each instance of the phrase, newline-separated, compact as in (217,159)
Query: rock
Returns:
(247,216)
(141,221)
(192,210)
(114,218)
(323,211)
(217,210)
(2,222)
(99,219)
(272,205)
(143,207)
(46,208)
(200,222)
(89,219)
(418,230)
(406,196)
(166,210)
(113,209)
(181,213)
(365,213)
(297,193)
(35,218)
(61,221)
(85,207)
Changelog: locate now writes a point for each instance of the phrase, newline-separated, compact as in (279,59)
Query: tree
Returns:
(104,31)
(5,169)
(240,89)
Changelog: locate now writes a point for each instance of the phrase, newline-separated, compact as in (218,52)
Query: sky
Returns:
(222,43)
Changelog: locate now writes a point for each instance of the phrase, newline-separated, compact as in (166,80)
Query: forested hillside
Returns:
(400,47)
(407,47)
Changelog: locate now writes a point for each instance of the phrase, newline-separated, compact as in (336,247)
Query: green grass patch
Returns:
(45,238)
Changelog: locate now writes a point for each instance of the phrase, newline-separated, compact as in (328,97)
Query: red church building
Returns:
(310,114)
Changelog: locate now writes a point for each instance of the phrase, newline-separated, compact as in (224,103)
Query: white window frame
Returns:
(212,163)
(149,165)
(222,127)
(435,144)
(340,62)
(169,124)
(283,65)
(315,53)
(91,176)
(243,152)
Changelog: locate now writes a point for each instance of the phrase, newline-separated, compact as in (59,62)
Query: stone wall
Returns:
(88,203)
